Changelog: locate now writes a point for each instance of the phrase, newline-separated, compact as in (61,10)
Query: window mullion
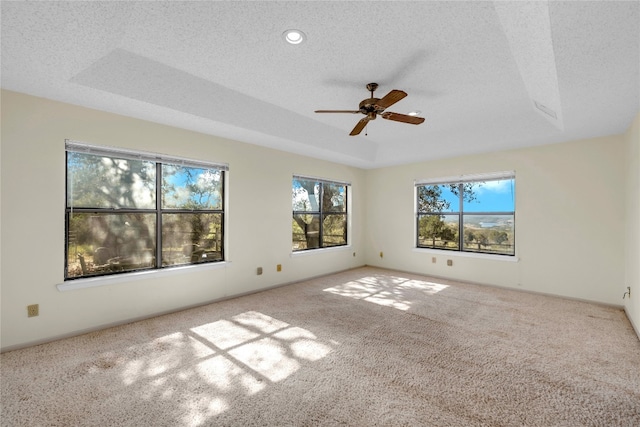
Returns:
(321,212)
(461,218)
(158,215)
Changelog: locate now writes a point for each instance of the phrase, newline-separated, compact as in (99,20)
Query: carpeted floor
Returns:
(367,347)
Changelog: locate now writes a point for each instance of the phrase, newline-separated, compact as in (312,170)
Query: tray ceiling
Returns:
(487,76)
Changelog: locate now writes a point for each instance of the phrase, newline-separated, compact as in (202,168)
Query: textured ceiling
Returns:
(475,69)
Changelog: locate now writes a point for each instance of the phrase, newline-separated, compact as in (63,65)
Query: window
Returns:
(319,213)
(128,211)
(468,214)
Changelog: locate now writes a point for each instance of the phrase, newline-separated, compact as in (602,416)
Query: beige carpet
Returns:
(367,347)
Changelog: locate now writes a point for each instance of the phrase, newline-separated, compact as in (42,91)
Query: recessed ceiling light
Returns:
(294,36)
(414,113)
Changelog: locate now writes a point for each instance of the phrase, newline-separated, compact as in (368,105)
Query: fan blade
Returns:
(361,124)
(338,111)
(389,99)
(404,118)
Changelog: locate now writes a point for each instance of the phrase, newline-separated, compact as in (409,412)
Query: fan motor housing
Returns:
(368,106)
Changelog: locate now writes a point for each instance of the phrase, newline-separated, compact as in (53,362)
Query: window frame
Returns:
(158,160)
(322,213)
(460,212)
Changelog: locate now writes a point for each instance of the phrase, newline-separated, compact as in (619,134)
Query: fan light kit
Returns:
(294,36)
(372,107)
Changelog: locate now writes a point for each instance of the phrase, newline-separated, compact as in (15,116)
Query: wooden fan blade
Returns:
(361,124)
(390,99)
(338,111)
(404,118)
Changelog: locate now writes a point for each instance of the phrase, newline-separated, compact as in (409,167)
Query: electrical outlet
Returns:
(433,260)
(279,267)
(259,271)
(381,254)
(33,310)
(449,262)
(354,254)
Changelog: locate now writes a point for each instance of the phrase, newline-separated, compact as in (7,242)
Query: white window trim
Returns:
(99,150)
(92,282)
(490,176)
(316,251)
(493,257)
(325,180)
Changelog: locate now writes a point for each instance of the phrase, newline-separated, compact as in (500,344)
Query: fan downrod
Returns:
(368,106)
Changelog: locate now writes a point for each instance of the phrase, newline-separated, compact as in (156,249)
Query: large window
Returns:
(128,211)
(472,214)
(319,213)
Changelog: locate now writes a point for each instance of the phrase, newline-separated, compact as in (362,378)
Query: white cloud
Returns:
(501,186)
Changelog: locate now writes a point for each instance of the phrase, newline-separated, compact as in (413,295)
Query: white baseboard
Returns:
(633,325)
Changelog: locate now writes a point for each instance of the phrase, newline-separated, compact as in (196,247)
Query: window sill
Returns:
(493,257)
(320,250)
(91,282)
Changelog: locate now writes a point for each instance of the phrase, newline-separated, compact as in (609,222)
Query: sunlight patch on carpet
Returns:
(203,365)
(202,408)
(395,292)
(266,324)
(259,344)
(225,334)
(267,357)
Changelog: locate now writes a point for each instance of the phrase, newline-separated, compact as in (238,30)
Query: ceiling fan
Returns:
(372,107)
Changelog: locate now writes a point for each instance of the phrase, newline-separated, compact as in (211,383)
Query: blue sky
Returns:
(491,196)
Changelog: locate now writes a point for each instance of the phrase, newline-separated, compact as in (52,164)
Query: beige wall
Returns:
(632,279)
(33,181)
(569,220)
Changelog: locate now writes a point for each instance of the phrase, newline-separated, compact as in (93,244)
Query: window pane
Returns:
(107,182)
(334,230)
(102,243)
(191,188)
(333,198)
(490,196)
(438,231)
(438,198)
(191,238)
(489,233)
(306,231)
(305,195)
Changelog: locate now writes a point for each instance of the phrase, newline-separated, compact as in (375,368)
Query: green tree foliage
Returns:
(469,235)
(434,228)
(309,224)
(193,189)
(106,182)
(430,196)
(498,236)
(99,182)
(325,202)
(430,200)
(482,239)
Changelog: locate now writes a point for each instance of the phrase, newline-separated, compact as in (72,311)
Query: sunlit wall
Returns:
(569,220)
(632,270)
(33,202)
(572,214)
